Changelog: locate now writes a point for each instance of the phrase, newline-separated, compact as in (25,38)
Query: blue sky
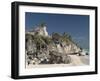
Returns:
(75,25)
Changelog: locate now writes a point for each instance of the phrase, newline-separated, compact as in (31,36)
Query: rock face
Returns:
(42,48)
(39,30)
(43,31)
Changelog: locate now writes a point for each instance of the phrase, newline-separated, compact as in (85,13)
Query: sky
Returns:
(75,25)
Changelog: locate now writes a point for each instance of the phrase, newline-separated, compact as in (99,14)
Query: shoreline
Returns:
(75,61)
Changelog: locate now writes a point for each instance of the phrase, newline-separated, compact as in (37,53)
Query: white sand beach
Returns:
(75,61)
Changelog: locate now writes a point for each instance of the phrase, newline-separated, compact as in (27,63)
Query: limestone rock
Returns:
(43,49)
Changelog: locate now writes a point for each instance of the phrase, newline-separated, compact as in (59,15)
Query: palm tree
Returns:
(42,24)
(47,40)
(56,36)
(66,37)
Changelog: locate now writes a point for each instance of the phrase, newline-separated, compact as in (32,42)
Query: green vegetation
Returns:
(61,37)
(42,24)
(39,40)
(45,49)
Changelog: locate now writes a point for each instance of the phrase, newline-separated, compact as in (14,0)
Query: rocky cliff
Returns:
(42,48)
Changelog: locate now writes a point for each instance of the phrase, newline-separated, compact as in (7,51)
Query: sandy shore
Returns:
(79,60)
(75,61)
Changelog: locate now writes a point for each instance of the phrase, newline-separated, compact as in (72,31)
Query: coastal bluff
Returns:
(42,48)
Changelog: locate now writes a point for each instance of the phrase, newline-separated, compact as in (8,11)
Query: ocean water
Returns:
(87,51)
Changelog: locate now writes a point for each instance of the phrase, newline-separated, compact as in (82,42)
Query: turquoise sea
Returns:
(87,51)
